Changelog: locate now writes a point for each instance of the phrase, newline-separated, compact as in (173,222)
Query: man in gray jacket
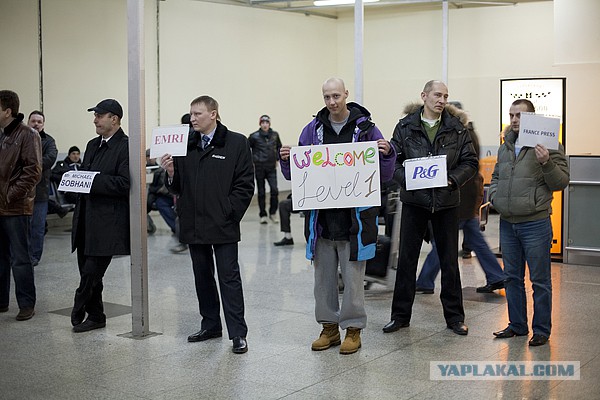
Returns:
(521,191)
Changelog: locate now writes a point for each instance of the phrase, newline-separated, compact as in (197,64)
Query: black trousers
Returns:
(445,233)
(88,296)
(285,212)
(230,285)
(270,175)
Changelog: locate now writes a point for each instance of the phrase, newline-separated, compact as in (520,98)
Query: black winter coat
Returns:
(453,140)
(49,154)
(101,217)
(215,187)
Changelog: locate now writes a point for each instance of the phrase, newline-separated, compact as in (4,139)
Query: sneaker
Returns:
(351,342)
(284,242)
(263,220)
(181,247)
(423,290)
(274,219)
(330,336)
(25,314)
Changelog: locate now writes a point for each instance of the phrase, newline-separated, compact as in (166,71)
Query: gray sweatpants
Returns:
(328,254)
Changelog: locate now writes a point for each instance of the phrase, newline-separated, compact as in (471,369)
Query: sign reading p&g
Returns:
(335,176)
(426,172)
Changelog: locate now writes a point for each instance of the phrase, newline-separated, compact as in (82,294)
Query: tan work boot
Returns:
(351,342)
(330,336)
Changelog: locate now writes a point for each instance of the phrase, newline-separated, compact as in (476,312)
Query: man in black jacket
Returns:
(37,121)
(431,131)
(215,184)
(101,217)
(265,145)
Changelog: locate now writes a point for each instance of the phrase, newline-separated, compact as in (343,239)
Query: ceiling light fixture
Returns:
(327,3)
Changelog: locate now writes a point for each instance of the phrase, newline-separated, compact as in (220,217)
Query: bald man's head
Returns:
(335,95)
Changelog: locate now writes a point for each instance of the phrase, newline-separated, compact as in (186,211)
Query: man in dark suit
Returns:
(215,184)
(101,217)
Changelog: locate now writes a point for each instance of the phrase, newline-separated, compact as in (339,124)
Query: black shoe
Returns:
(88,325)
(459,328)
(467,255)
(394,325)
(423,290)
(240,345)
(490,287)
(284,242)
(25,314)
(203,335)
(538,340)
(4,309)
(507,333)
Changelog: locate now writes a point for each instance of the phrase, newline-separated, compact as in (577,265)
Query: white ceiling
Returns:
(307,6)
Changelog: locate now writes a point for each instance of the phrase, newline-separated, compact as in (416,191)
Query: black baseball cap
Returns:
(108,106)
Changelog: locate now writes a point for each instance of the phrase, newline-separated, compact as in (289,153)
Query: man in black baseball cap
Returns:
(108,106)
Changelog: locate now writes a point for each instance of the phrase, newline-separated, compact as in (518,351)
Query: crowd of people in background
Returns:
(205,217)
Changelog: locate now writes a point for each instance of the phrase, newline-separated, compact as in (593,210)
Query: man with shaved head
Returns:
(430,130)
(341,236)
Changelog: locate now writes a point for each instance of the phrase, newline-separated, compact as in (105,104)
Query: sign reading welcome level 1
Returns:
(77,181)
(335,176)
(171,140)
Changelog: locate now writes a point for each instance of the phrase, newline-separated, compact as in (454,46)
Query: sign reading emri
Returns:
(169,140)
(335,176)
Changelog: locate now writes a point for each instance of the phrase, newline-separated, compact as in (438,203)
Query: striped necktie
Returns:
(205,141)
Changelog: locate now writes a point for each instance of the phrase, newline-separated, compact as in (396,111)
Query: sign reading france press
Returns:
(335,176)
(426,172)
(77,181)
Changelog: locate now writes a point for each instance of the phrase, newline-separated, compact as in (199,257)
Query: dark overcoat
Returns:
(101,218)
(215,187)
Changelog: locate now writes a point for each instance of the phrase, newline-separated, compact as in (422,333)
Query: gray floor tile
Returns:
(43,359)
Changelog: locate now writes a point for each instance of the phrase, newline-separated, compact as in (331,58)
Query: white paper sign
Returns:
(426,172)
(538,129)
(335,176)
(169,140)
(77,181)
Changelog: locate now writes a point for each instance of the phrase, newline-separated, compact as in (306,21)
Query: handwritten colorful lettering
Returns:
(335,176)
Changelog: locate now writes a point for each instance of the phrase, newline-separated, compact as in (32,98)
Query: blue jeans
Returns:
(528,242)
(165,209)
(38,228)
(14,254)
(475,241)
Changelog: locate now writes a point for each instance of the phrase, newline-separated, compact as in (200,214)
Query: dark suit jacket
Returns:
(101,218)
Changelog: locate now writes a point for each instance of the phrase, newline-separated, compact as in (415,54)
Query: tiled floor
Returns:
(43,359)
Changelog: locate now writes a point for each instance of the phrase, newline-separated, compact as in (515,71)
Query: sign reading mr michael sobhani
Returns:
(335,176)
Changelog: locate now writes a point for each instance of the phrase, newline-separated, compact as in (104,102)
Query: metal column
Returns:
(445,41)
(359,10)
(137,163)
